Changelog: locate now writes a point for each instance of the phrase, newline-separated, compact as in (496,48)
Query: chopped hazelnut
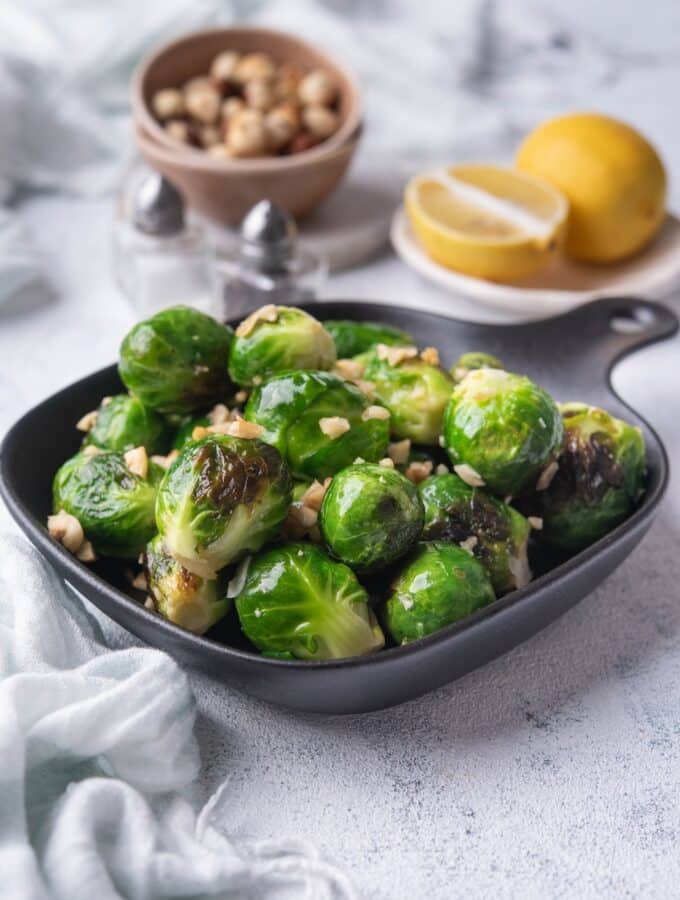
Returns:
(375,412)
(441,469)
(547,475)
(418,471)
(165,461)
(219,413)
(85,553)
(106,401)
(470,543)
(399,451)
(254,65)
(92,450)
(244,429)
(241,396)
(430,355)
(536,522)
(396,355)
(168,104)
(137,461)
(267,313)
(66,529)
(333,426)
(386,462)
(150,603)
(469,475)
(299,520)
(314,494)
(317,87)
(246,134)
(320,121)
(366,387)
(86,422)
(199,432)
(349,369)
(139,582)
(224,65)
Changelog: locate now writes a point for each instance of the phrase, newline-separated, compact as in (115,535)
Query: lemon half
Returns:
(486,221)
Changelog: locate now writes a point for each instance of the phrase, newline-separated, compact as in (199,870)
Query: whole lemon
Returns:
(612,177)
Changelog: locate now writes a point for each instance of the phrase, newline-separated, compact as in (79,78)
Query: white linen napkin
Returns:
(97,753)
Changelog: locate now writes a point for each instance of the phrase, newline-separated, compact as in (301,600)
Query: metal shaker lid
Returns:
(157,206)
(268,235)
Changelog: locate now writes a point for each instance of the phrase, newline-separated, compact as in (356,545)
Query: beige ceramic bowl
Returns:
(224,190)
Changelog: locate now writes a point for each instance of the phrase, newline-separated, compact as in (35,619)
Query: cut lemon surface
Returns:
(486,221)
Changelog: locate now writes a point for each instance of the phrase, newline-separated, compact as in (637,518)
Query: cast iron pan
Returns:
(571,356)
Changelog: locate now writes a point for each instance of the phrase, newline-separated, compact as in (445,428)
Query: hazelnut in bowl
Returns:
(233,115)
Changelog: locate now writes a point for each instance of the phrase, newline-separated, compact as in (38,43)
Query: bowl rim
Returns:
(142,115)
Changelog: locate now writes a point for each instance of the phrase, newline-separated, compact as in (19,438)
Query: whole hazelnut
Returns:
(203,103)
(168,103)
(259,93)
(254,65)
(224,65)
(320,121)
(209,135)
(317,88)
(282,124)
(246,135)
(231,106)
(178,130)
(287,80)
(303,140)
(219,151)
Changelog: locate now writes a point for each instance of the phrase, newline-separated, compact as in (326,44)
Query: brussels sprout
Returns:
(468,362)
(222,497)
(501,430)
(123,422)
(352,338)
(599,479)
(184,433)
(182,597)
(278,338)
(370,516)
(114,506)
(495,533)
(296,602)
(176,361)
(440,583)
(318,422)
(415,392)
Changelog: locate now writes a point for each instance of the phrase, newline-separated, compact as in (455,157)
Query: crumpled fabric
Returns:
(466,77)
(97,759)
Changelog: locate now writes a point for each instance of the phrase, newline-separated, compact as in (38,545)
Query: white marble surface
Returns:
(552,772)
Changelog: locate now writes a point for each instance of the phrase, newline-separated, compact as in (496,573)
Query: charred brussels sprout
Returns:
(440,583)
(318,422)
(352,338)
(114,506)
(468,362)
(278,338)
(176,361)
(222,497)
(181,596)
(123,422)
(415,392)
(496,534)
(298,603)
(501,430)
(599,479)
(370,516)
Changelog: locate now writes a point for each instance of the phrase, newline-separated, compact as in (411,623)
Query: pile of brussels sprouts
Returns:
(332,486)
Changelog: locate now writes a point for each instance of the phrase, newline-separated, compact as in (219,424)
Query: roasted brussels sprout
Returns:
(370,516)
(439,583)
(496,534)
(222,497)
(352,338)
(123,422)
(298,603)
(501,430)
(600,477)
(278,338)
(414,391)
(318,422)
(180,596)
(176,361)
(468,362)
(114,506)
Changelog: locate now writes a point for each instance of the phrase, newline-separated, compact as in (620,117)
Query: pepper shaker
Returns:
(267,265)
(160,260)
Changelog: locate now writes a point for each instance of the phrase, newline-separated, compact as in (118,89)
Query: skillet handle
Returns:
(582,347)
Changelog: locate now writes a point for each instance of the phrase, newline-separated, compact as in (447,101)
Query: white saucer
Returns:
(652,274)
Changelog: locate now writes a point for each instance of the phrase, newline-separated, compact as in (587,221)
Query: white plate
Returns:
(653,274)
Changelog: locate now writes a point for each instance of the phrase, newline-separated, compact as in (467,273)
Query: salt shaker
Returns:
(267,265)
(160,260)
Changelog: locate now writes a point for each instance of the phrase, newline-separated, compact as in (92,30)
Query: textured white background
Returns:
(554,771)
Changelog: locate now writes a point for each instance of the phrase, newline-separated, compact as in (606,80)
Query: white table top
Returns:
(553,771)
